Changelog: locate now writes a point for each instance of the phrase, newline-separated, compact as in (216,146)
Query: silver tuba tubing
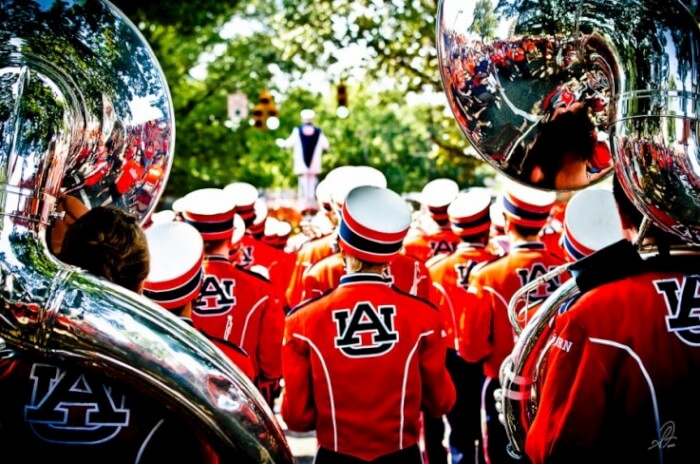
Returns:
(62,312)
(517,315)
(518,375)
(71,102)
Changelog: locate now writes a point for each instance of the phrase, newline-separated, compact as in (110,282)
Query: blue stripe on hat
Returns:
(174,294)
(523,213)
(366,245)
(211,227)
(473,223)
(571,249)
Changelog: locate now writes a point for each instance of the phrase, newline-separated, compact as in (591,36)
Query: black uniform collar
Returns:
(364,277)
(527,246)
(216,258)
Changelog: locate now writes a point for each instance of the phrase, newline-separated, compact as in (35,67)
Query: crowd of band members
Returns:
(466,252)
(440,254)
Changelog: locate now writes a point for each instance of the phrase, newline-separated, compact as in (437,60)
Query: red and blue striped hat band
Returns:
(374,222)
(591,222)
(526,206)
(470,213)
(257,225)
(176,254)
(209,211)
(244,196)
(437,196)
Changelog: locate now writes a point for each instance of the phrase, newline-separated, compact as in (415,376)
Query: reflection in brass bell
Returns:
(556,94)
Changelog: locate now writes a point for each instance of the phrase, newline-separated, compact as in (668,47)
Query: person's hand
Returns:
(281,143)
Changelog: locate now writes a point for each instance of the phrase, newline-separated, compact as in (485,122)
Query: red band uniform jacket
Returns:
(450,276)
(360,363)
(485,330)
(239,307)
(406,272)
(424,246)
(309,254)
(622,376)
(278,263)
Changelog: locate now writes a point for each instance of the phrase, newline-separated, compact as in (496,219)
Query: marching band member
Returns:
(342,179)
(436,196)
(434,239)
(487,335)
(234,305)
(591,222)
(469,216)
(251,252)
(175,279)
(620,379)
(74,414)
(367,331)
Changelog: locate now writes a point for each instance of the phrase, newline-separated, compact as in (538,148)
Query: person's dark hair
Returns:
(565,139)
(478,238)
(630,215)
(625,207)
(526,231)
(108,242)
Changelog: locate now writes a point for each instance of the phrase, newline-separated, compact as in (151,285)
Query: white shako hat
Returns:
(498,222)
(437,196)
(238,230)
(176,252)
(470,212)
(527,206)
(177,207)
(257,226)
(164,216)
(370,176)
(210,211)
(307,115)
(270,235)
(323,194)
(244,196)
(344,180)
(591,222)
(284,230)
(374,222)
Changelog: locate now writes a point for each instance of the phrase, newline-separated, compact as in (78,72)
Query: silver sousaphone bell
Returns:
(557,95)
(83,103)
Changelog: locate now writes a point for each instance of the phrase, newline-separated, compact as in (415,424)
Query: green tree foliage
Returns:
(411,144)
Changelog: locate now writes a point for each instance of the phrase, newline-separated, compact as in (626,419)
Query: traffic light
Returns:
(259,116)
(265,98)
(265,112)
(342,110)
(342,95)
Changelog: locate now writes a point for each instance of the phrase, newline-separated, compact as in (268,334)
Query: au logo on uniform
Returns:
(463,270)
(682,302)
(246,258)
(535,271)
(216,296)
(377,326)
(70,407)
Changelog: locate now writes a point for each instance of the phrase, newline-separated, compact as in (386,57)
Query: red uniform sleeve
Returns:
(425,283)
(441,299)
(438,390)
(572,405)
(475,323)
(298,408)
(311,287)
(269,355)
(296,279)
